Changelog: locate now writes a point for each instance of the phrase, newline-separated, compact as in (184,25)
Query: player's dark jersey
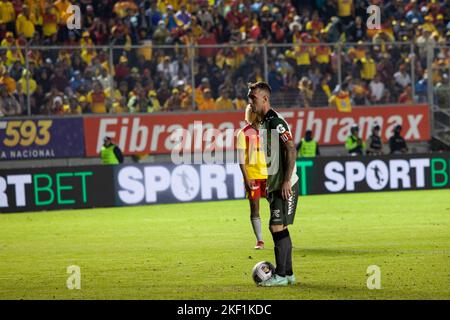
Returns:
(274,125)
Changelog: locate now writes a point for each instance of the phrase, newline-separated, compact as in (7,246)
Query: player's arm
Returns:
(247,182)
(299,146)
(287,143)
(291,153)
(241,146)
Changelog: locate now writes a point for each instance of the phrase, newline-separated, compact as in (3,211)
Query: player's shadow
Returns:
(335,252)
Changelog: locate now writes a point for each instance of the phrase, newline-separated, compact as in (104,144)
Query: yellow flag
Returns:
(343,102)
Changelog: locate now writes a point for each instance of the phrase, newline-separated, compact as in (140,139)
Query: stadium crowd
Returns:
(308,42)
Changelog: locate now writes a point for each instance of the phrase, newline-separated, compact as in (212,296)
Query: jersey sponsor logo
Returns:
(286,136)
(291,204)
(281,129)
(276,213)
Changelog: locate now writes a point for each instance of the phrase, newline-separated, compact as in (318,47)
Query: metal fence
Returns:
(439,90)
(149,78)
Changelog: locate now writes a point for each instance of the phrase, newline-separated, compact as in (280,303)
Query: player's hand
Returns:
(250,185)
(286,190)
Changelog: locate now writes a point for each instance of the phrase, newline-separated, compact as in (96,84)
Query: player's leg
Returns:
(256,222)
(291,207)
(279,235)
(281,240)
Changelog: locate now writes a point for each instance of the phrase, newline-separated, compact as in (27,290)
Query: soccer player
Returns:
(282,181)
(253,167)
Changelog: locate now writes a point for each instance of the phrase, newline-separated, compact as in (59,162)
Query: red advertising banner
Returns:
(161,133)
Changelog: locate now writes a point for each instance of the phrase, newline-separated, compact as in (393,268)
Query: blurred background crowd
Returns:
(174,55)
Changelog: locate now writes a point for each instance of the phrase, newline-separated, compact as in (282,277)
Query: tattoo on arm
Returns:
(289,148)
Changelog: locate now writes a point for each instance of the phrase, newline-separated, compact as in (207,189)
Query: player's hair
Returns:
(250,116)
(261,85)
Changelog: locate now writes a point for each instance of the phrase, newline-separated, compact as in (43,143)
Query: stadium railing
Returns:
(438,58)
(291,69)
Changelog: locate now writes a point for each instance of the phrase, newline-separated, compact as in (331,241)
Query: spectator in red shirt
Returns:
(406,95)
(278,30)
(207,38)
(234,16)
(122,69)
(99,31)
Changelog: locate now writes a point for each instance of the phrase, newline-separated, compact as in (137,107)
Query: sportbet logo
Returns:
(56,188)
(325,175)
(47,189)
(377,174)
(140,184)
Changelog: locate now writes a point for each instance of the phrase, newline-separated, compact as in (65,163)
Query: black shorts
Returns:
(282,212)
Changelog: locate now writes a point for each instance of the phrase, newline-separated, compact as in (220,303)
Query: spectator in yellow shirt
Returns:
(429,24)
(27,77)
(174,101)
(25,23)
(239,103)
(61,6)
(125,8)
(9,41)
(368,68)
(74,106)
(207,103)
(186,100)
(224,102)
(120,107)
(199,91)
(50,21)
(86,40)
(116,93)
(84,104)
(7,15)
(14,55)
(88,54)
(153,103)
(346,11)
(97,98)
(6,80)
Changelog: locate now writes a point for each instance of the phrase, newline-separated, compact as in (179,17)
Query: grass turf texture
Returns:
(205,250)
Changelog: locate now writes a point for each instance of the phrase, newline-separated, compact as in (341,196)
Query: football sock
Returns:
(281,242)
(289,271)
(256,223)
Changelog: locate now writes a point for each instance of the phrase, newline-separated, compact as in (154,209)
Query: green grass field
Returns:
(205,250)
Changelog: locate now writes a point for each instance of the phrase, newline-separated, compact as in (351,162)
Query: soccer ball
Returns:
(262,271)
